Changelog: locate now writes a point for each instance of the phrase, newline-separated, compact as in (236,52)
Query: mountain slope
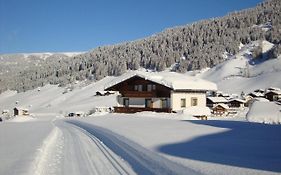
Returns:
(202,44)
(242,72)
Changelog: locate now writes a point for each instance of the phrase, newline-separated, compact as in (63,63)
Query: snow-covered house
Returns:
(20,111)
(220,109)
(256,94)
(273,95)
(160,92)
(236,103)
(212,101)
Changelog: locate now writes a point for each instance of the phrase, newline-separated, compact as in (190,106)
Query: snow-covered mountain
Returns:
(241,72)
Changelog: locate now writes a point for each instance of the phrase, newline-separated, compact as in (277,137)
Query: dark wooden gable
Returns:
(129,86)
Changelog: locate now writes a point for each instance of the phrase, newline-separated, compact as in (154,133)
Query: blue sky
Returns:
(81,25)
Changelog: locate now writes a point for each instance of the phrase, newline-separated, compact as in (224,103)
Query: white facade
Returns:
(176,98)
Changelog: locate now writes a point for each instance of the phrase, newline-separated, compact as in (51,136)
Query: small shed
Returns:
(20,111)
(273,95)
(220,109)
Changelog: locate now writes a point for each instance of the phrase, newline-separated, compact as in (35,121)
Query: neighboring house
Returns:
(273,95)
(259,90)
(236,103)
(160,92)
(20,111)
(220,109)
(256,94)
(212,101)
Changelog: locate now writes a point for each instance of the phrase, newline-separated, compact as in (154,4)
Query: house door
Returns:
(148,103)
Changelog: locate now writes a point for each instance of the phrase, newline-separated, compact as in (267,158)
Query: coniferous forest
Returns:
(193,46)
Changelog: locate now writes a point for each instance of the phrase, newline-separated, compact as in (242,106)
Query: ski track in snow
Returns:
(142,160)
(71,150)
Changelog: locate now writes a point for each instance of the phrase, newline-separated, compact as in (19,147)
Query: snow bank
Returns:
(264,112)
(197,111)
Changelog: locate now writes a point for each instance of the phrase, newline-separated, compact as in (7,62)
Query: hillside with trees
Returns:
(195,46)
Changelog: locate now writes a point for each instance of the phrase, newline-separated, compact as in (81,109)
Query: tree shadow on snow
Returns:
(248,145)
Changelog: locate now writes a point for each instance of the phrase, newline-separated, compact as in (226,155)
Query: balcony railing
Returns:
(136,109)
(138,93)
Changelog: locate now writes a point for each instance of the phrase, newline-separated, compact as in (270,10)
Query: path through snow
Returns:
(71,150)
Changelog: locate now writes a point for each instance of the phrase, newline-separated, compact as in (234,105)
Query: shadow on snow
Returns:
(248,145)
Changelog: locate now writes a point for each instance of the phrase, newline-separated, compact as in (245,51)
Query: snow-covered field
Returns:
(144,143)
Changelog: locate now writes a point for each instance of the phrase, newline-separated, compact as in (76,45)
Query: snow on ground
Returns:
(18,145)
(264,112)
(208,147)
(52,98)
(22,119)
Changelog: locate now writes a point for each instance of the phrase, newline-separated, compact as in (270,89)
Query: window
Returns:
(164,103)
(140,87)
(149,87)
(183,102)
(194,101)
(136,87)
(126,102)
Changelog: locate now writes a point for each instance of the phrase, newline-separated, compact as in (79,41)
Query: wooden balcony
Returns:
(136,109)
(138,94)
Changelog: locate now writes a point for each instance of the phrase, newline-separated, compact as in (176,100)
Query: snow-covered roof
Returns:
(257,94)
(173,80)
(274,91)
(218,99)
(21,108)
(222,105)
(238,99)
